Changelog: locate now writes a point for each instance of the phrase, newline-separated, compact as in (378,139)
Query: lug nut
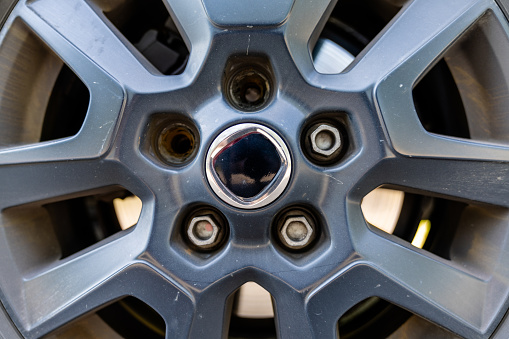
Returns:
(204,231)
(325,140)
(297,231)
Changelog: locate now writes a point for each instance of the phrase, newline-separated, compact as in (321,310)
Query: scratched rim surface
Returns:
(350,262)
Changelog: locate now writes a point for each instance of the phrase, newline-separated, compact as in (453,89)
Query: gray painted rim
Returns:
(467,295)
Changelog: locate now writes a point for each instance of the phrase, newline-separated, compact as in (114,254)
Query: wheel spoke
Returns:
(155,261)
(71,279)
(394,93)
(472,181)
(173,303)
(78,284)
(335,297)
(213,306)
(264,13)
(136,280)
(306,18)
(106,95)
(93,140)
(411,42)
(416,37)
(293,319)
(197,31)
(433,288)
(210,316)
(45,182)
(443,287)
(416,294)
(81,36)
(192,18)
(414,140)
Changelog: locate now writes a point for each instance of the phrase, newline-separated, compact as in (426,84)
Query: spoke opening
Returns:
(438,103)
(128,318)
(147,25)
(132,318)
(438,225)
(350,28)
(471,237)
(91,326)
(417,327)
(41,98)
(377,318)
(478,64)
(371,318)
(41,234)
(253,313)
(464,93)
(479,77)
(81,222)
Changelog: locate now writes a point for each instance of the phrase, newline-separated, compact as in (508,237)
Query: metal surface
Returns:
(274,188)
(349,262)
(331,58)
(296,232)
(325,140)
(203,231)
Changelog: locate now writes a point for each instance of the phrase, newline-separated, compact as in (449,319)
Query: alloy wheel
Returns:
(152,134)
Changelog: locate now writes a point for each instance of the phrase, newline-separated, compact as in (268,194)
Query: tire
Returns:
(254,144)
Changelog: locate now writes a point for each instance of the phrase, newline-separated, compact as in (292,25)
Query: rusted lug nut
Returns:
(325,140)
(297,232)
(204,231)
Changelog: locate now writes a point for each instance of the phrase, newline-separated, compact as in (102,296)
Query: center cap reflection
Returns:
(248,166)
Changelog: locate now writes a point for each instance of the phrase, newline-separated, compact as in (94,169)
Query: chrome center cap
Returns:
(248,166)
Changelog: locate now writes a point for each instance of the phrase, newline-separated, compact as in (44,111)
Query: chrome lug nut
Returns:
(204,231)
(297,232)
(325,140)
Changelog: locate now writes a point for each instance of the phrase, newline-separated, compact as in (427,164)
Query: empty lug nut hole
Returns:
(249,89)
(176,144)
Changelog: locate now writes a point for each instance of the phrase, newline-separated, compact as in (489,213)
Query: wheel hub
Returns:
(248,166)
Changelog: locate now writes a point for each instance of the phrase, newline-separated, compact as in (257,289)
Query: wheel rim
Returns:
(349,261)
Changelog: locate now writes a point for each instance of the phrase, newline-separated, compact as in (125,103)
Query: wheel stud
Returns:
(253,93)
(204,229)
